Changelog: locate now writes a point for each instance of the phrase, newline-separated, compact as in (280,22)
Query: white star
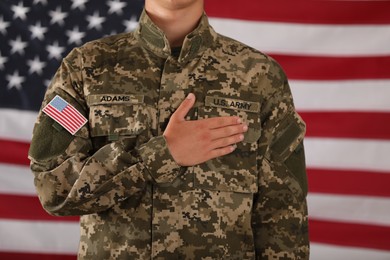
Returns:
(36,66)
(112,33)
(43,2)
(130,24)
(3,25)
(17,46)
(3,60)
(20,11)
(37,31)
(55,51)
(47,82)
(14,80)
(57,16)
(75,36)
(95,21)
(116,6)
(80,4)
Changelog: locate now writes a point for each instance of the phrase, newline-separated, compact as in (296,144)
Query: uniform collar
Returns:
(194,43)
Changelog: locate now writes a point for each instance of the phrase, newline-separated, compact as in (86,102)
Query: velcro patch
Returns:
(65,114)
(235,104)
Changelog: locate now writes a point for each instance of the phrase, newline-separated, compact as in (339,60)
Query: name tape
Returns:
(115,99)
(231,103)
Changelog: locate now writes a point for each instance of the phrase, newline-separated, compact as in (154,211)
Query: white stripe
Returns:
(353,209)
(308,39)
(348,95)
(62,238)
(352,154)
(19,180)
(15,179)
(57,237)
(325,252)
(17,124)
(39,237)
(325,153)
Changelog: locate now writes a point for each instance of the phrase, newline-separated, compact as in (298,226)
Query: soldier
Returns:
(173,142)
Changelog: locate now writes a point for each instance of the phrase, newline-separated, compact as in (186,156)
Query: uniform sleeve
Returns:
(72,177)
(280,219)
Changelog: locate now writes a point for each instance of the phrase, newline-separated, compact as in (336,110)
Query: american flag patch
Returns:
(65,114)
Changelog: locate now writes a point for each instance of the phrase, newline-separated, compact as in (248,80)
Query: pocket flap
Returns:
(116,115)
(238,171)
(248,111)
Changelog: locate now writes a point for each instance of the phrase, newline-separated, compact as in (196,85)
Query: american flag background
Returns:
(336,55)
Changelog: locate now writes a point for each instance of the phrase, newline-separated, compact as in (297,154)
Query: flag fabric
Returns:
(336,55)
(65,114)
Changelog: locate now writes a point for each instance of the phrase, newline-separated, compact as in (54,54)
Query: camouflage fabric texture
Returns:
(117,173)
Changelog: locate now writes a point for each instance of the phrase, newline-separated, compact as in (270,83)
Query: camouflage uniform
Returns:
(116,172)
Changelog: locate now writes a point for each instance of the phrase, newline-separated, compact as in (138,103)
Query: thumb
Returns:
(184,107)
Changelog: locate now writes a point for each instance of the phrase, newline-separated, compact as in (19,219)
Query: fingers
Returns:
(227,141)
(184,108)
(218,122)
(221,152)
(194,142)
(212,123)
(228,131)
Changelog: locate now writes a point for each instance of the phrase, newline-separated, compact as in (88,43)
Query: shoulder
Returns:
(248,56)
(240,47)
(102,49)
(110,43)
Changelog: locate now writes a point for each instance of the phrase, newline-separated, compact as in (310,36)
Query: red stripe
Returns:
(368,125)
(26,208)
(318,12)
(74,114)
(35,256)
(74,117)
(334,68)
(71,116)
(14,152)
(320,180)
(348,182)
(346,234)
(65,119)
(59,118)
(349,234)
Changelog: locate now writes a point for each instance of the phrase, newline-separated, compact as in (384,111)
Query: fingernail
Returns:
(190,96)
(233,147)
(245,128)
(239,121)
(241,137)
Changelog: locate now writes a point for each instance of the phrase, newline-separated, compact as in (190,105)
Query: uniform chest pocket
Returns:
(238,171)
(115,116)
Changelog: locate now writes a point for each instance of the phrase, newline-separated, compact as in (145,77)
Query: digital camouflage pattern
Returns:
(116,172)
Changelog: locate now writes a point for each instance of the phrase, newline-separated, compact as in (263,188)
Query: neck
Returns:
(175,21)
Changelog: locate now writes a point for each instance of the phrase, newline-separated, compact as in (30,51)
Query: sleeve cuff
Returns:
(158,160)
